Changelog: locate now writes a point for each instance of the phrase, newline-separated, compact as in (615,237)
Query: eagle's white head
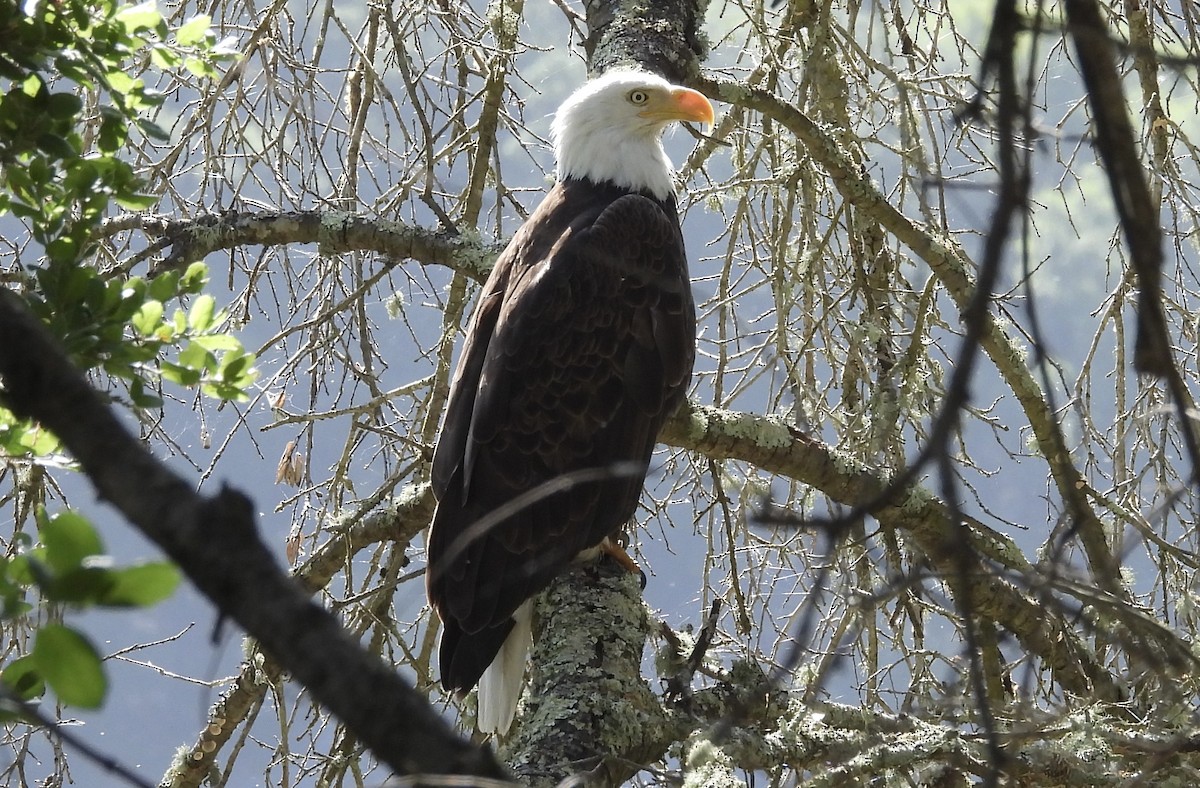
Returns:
(611,129)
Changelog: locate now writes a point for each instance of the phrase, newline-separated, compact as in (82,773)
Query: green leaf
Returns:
(22,678)
(220,342)
(63,249)
(69,538)
(196,356)
(153,130)
(200,317)
(194,278)
(64,106)
(14,607)
(57,146)
(143,16)
(70,665)
(136,201)
(237,369)
(33,85)
(194,31)
(23,210)
(142,585)
(26,569)
(224,391)
(165,286)
(183,376)
(163,58)
(114,130)
(86,585)
(166,333)
(148,317)
(200,67)
(142,398)
(38,441)
(121,83)
(134,287)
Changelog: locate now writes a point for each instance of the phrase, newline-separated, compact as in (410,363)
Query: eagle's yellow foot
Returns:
(617,553)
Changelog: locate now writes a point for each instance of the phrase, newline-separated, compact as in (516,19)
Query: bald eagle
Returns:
(581,345)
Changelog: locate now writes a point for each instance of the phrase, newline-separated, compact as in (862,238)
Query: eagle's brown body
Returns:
(582,344)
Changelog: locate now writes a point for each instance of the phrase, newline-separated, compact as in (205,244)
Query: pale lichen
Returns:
(708,766)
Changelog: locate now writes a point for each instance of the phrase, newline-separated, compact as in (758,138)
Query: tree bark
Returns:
(587,707)
(662,36)
(399,522)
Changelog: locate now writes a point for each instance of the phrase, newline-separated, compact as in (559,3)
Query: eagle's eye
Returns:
(638,97)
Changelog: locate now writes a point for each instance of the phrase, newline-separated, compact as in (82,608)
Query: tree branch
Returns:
(334,232)
(587,709)
(1136,208)
(214,541)
(400,521)
(951,266)
(763,441)
(662,36)
(867,744)
(770,444)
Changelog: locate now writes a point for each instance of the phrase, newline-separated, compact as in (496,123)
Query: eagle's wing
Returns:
(582,345)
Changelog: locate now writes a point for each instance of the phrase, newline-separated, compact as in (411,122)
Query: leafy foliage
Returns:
(64,60)
(62,188)
(68,112)
(69,568)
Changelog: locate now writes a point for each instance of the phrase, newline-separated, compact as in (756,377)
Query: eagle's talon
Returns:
(617,553)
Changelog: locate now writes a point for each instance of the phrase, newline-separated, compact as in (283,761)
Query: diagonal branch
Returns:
(1137,209)
(214,540)
(952,268)
(398,521)
(774,446)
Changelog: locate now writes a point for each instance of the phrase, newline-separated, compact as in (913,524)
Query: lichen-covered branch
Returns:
(662,36)
(868,745)
(772,445)
(952,268)
(587,709)
(334,232)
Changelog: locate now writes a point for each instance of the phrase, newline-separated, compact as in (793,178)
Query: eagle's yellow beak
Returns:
(680,104)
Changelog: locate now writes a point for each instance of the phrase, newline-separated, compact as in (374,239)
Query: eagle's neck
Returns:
(609,191)
(600,154)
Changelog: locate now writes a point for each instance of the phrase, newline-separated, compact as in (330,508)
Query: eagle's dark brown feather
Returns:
(582,344)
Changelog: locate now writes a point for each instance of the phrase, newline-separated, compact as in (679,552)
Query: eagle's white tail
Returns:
(500,685)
